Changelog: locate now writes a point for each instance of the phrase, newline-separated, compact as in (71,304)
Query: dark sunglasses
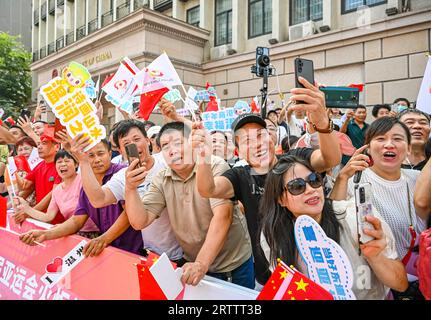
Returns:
(297,186)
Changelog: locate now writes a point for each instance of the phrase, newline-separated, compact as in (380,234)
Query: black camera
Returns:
(262,62)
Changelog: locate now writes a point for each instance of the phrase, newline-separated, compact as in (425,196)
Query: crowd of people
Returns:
(224,204)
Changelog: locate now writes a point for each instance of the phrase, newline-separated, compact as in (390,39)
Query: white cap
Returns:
(154,130)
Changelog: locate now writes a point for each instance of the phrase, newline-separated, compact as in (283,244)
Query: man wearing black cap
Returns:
(246,184)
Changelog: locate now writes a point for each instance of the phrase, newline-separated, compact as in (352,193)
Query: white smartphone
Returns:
(363,208)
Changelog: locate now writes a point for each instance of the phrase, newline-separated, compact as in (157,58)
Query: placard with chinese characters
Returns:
(327,263)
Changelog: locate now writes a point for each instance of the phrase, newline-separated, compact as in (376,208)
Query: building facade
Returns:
(15,19)
(381,43)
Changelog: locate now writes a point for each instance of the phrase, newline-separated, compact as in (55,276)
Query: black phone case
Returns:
(132,152)
(303,68)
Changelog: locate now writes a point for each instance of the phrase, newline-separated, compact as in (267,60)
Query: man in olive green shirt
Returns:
(212,232)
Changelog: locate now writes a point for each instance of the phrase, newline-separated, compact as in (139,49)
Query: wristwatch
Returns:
(325,130)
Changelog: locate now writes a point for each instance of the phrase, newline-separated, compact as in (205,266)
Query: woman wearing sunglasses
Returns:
(294,189)
(389,142)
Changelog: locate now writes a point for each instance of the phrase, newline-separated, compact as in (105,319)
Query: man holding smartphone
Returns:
(158,237)
(246,183)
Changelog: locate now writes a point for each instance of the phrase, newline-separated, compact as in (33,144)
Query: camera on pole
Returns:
(263,69)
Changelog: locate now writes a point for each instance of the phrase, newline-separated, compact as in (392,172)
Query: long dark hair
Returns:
(278,222)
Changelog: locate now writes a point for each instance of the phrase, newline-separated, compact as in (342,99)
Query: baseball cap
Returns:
(243,119)
(154,130)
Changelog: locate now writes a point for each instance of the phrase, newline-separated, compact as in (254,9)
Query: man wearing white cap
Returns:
(152,135)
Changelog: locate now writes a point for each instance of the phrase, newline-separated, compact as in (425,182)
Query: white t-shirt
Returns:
(158,236)
(118,160)
(390,199)
(366,285)
(281,134)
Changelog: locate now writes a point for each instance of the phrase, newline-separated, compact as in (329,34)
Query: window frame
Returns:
(250,2)
(344,11)
(187,16)
(215,25)
(308,14)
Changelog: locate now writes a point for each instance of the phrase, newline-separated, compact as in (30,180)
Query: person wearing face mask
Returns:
(294,189)
(388,141)
(419,124)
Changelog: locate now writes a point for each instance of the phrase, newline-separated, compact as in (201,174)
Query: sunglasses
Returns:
(297,186)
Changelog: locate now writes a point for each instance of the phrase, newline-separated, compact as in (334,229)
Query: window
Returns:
(223,22)
(305,10)
(352,5)
(259,17)
(193,16)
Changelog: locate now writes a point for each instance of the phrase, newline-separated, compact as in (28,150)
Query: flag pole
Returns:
(17,234)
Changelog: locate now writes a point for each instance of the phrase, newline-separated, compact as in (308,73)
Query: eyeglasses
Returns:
(297,186)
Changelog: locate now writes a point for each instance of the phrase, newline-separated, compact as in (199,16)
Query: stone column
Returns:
(280,20)
(239,24)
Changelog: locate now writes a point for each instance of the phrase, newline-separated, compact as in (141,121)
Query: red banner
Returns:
(111,275)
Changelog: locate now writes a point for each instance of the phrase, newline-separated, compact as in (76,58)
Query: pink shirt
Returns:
(65,201)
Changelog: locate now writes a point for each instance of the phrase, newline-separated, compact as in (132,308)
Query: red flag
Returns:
(22,163)
(288,284)
(3,212)
(11,121)
(212,105)
(148,286)
(254,105)
(149,101)
(359,86)
(107,79)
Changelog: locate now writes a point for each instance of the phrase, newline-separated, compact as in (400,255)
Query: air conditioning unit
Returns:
(220,51)
(302,30)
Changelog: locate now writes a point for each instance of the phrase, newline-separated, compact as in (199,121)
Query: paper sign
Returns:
(173,95)
(59,267)
(70,103)
(167,278)
(11,165)
(424,98)
(34,159)
(327,263)
(241,107)
(219,120)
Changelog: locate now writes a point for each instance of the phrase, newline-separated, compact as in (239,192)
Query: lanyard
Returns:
(411,230)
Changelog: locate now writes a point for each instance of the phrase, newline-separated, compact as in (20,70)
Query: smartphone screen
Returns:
(304,68)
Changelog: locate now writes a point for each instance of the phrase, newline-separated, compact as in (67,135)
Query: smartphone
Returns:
(24,113)
(363,208)
(303,68)
(341,97)
(132,153)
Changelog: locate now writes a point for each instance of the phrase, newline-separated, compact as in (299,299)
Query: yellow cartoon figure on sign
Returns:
(75,76)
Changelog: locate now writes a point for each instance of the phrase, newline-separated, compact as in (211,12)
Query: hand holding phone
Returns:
(358,174)
(132,153)
(25,114)
(363,209)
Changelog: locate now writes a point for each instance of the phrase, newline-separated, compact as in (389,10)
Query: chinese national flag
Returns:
(3,212)
(22,163)
(149,101)
(148,286)
(288,284)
